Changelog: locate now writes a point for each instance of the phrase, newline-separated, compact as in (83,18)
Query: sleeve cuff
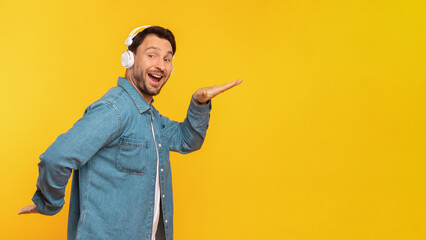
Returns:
(42,205)
(200,108)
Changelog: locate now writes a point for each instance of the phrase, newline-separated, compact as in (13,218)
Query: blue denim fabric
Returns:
(112,152)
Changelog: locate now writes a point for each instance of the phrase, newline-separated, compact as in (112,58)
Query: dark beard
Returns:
(141,85)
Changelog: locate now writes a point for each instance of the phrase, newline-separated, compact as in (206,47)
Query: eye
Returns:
(167,60)
(151,56)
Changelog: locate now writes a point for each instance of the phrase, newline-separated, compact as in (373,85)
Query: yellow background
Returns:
(324,139)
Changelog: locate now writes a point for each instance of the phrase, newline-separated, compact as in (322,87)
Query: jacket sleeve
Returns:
(100,124)
(189,135)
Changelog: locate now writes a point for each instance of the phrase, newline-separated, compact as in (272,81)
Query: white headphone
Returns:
(127,58)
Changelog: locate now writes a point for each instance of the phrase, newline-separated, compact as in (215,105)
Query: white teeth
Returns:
(157,76)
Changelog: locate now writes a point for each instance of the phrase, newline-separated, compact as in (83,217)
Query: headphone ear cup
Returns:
(127,59)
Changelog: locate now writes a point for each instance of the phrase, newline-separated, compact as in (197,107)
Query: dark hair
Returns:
(156,30)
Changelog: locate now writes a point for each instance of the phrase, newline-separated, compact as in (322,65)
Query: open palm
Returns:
(202,95)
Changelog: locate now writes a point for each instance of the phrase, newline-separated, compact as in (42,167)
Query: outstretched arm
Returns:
(189,135)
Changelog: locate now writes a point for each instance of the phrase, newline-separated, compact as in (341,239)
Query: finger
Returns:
(28,209)
(221,88)
(227,86)
(23,211)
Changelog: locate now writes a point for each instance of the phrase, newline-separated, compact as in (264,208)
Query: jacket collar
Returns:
(140,103)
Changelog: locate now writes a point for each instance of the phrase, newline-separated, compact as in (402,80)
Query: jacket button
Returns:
(165,221)
(164,195)
(161,170)
(159,145)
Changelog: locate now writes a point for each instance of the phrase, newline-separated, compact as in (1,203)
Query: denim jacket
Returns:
(112,150)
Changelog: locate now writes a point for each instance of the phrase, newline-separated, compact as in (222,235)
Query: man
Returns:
(119,151)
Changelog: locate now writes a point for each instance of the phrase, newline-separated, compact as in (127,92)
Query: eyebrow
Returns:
(157,49)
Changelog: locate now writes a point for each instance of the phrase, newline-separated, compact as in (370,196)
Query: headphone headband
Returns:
(129,39)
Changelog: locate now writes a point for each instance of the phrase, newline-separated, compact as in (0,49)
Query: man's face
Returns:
(153,65)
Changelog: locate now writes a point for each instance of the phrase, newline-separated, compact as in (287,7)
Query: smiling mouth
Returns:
(155,77)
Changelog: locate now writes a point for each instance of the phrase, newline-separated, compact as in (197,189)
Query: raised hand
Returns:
(28,209)
(202,95)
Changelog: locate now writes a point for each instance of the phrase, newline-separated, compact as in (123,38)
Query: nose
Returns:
(160,65)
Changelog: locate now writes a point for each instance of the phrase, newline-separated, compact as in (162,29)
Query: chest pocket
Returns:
(132,156)
(163,135)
